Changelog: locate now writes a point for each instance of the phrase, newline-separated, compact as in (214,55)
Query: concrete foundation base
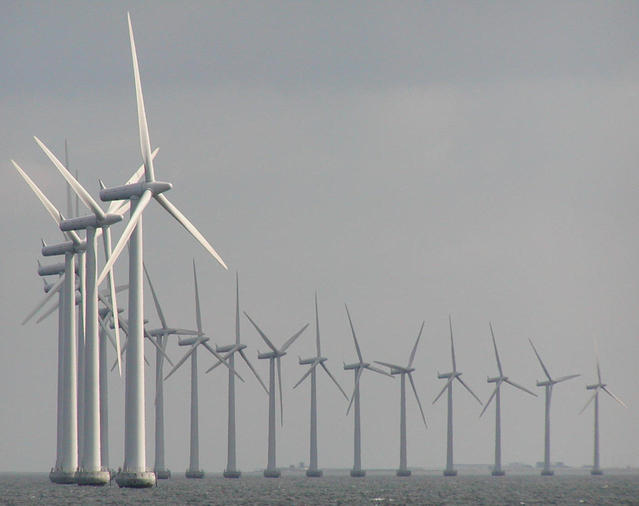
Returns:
(358,473)
(547,472)
(94,478)
(450,472)
(232,474)
(162,474)
(272,473)
(596,472)
(135,479)
(403,472)
(194,474)
(314,473)
(498,472)
(63,477)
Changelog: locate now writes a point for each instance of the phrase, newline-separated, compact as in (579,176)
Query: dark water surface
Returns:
(374,489)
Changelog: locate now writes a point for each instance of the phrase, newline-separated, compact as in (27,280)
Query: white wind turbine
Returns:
(134,472)
(91,471)
(498,380)
(313,471)
(358,368)
(548,384)
(230,350)
(404,371)
(600,385)
(451,376)
(194,470)
(67,459)
(161,335)
(273,356)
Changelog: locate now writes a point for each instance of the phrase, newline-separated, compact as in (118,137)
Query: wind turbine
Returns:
(231,470)
(313,471)
(404,371)
(498,380)
(134,472)
(548,384)
(66,467)
(275,355)
(451,376)
(91,472)
(600,385)
(358,368)
(162,334)
(194,470)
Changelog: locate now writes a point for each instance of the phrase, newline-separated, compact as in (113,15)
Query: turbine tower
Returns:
(600,385)
(451,376)
(548,384)
(313,471)
(134,471)
(498,380)
(273,356)
(404,371)
(358,368)
(65,470)
(231,470)
(194,470)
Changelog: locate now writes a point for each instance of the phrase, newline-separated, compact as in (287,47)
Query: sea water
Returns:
(336,489)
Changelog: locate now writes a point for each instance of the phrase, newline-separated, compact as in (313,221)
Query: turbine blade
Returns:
(219,362)
(221,359)
(158,347)
(47,313)
(540,361)
(592,397)
(614,396)
(145,144)
(183,220)
(250,366)
(185,332)
(565,378)
(490,399)
(183,359)
(419,403)
(334,380)
(391,366)
(358,375)
(52,291)
(501,371)
(512,383)
(128,230)
(113,291)
(450,380)
(279,381)
(317,331)
(469,390)
(237,308)
(158,308)
(72,181)
(198,314)
(359,352)
(290,341)
(412,353)
(306,374)
(266,339)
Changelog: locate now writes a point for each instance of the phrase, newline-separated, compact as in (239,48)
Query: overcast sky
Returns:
(411,159)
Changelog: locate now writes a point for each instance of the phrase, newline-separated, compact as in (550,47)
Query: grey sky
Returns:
(410,159)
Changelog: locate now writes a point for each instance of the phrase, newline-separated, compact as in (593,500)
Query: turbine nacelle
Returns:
(50,270)
(594,387)
(357,365)
(192,340)
(496,379)
(84,222)
(546,383)
(63,248)
(166,331)
(230,348)
(449,375)
(271,354)
(133,190)
(310,361)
